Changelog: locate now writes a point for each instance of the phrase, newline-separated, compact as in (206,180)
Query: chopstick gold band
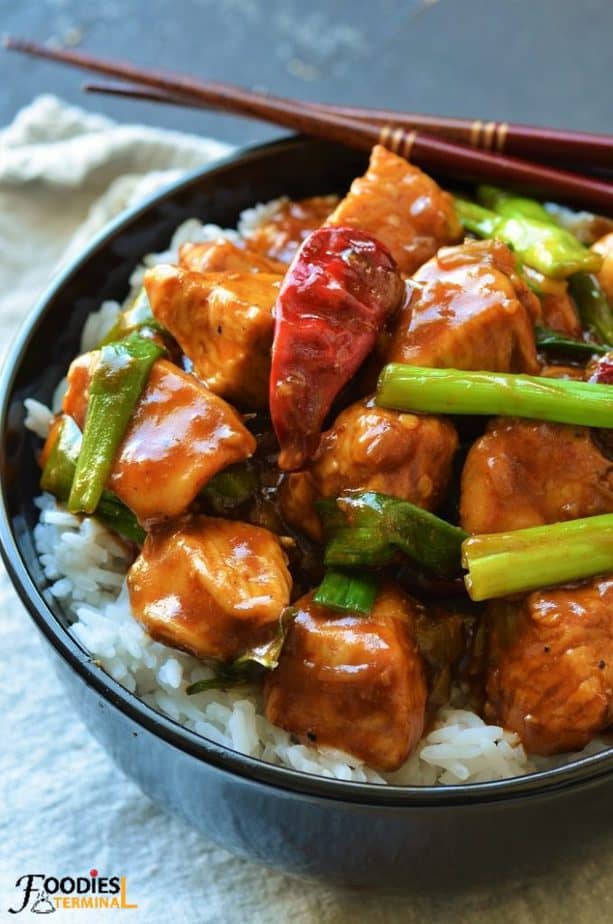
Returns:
(501,135)
(397,140)
(488,136)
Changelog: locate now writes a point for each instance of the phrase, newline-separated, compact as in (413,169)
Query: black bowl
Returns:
(347,832)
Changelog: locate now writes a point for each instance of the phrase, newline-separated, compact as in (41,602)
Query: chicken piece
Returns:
(551,672)
(468,309)
(222,256)
(215,588)
(528,473)
(401,206)
(223,323)
(352,682)
(375,449)
(287,223)
(604,246)
(179,436)
(560,314)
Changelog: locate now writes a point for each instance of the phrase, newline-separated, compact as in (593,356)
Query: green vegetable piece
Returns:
(231,487)
(137,317)
(119,518)
(247,668)
(354,593)
(594,310)
(499,564)
(548,248)
(58,475)
(451,391)
(553,342)
(378,525)
(220,681)
(115,388)
(509,205)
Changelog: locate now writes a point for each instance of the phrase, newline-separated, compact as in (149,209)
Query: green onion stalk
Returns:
(58,475)
(231,487)
(347,592)
(137,318)
(367,528)
(117,383)
(553,342)
(248,667)
(594,309)
(541,244)
(500,564)
(452,391)
(510,205)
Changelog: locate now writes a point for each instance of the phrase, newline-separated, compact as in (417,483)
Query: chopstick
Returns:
(540,144)
(586,148)
(527,141)
(431,153)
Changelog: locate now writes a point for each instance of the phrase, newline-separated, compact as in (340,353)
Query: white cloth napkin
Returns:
(64,806)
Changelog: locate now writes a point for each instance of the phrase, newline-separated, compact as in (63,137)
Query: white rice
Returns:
(86,564)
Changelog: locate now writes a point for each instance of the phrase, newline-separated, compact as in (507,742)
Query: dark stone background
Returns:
(540,61)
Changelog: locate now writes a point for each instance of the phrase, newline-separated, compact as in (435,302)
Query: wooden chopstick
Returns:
(429,152)
(541,144)
(528,141)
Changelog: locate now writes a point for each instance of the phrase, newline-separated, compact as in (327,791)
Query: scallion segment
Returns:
(500,564)
(376,526)
(346,592)
(543,245)
(510,205)
(594,310)
(231,487)
(119,518)
(247,668)
(118,381)
(453,391)
(136,318)
(552,342)
(58,475)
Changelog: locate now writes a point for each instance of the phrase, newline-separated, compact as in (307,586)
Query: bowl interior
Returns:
(50,339)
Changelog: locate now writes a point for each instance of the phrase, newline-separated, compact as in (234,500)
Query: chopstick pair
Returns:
(362,128)
(546,144)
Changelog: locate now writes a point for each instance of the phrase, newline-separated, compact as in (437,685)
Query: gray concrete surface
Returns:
(541,61)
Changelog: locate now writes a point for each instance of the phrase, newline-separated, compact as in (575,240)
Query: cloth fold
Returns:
(64,807)
(65,173)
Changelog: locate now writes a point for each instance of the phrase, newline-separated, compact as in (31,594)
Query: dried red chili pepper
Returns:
(338,291)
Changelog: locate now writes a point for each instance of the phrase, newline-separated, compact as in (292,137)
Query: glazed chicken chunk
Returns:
(286,224)
(405,209)
(375,449)
(222,256)
(180,435)
(352,682)
(468,309)
(528,473)
(223,323)
(560,314)
(212,587)
(551,677)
